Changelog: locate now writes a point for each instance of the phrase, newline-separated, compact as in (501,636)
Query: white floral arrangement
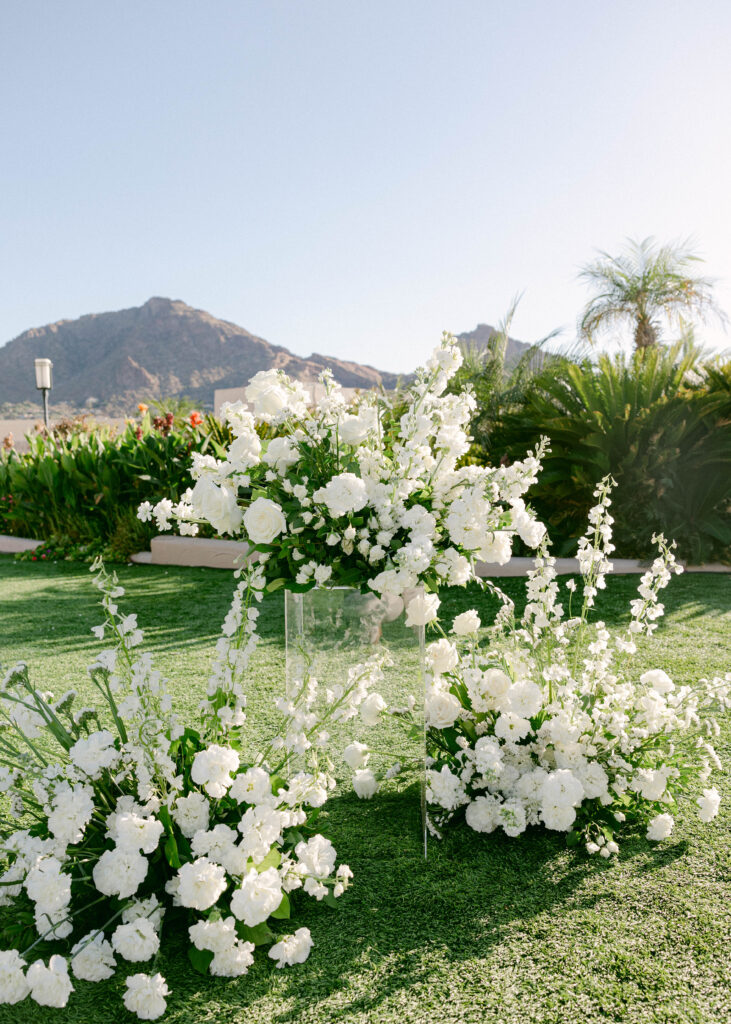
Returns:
(546,722)
(149,818)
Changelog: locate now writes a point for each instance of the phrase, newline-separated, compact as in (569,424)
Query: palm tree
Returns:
(644,285)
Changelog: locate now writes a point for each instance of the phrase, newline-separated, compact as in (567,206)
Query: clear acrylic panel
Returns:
(344,649)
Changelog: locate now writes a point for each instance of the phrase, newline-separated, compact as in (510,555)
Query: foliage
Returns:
(499,386)
(643,286)
(81,486)
(659,422)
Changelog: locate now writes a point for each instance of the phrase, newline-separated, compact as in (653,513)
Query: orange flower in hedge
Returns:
(143,408)
(195,419)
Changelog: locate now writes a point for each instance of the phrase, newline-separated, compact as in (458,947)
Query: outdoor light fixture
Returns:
(44,383)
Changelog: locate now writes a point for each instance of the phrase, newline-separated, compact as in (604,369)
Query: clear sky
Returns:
(354,177)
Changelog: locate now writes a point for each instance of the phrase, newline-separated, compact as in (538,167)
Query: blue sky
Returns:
(353,178)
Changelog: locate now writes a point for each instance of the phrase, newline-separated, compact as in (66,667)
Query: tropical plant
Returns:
(643,286)
(85,487)
(498,384)
(659,422)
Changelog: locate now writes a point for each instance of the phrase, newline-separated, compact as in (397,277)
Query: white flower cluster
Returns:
(349,494)
(108,800)
(549,723)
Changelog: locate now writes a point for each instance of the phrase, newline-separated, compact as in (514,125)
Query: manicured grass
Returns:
(489,928)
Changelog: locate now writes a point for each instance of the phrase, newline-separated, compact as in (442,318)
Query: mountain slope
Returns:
(164,347)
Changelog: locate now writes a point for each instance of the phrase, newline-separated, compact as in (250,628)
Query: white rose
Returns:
(281,453)
(356,755)
(364,783)
(343,494)
(244,452)
(264,520)
(421,609)
(441,708)
(267,393)
(217,505)
(466,623)
(442,656)
(355,429)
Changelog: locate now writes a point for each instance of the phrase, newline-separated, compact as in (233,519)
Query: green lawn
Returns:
(489,929)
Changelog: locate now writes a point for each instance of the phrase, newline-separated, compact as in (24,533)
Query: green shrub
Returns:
(86,486)
(658,421)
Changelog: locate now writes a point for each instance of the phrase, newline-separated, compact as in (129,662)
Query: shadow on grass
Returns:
(403,912)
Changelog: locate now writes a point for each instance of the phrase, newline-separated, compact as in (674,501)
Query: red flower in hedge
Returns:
(195,419)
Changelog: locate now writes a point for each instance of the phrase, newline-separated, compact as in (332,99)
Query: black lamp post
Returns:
(44,383)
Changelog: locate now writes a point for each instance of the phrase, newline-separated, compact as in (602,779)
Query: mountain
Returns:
(484,333)
(163,348)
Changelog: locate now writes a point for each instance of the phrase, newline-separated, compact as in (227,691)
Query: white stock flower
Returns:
(356,755)
(364,783)
(355,429)
(422,609)
(51,985)
(120,872)
(316,856)
(292,949)
(137,940)
(13,984)
(191,814)
(258,896)
(708,804)
(659,681)
(92,958)
(200,883)
(525,698)
(660,827)
(252,787)
(215,935)
(466,623)
(135,832)
(213,768)
(264,520)
(145,995)
(496,549)
(343,494)
(94,753)
(234,961)
(371,708)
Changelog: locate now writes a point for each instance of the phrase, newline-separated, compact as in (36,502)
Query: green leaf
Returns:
(573,838)
(171,852)
(272,860)
(283,911)
(330,901)
(200,959)
(259,935)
